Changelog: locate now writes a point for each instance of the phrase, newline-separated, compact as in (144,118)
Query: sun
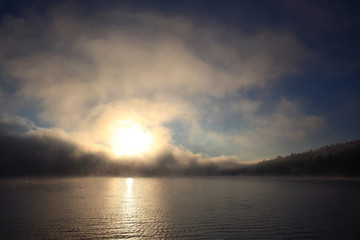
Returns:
(131,139)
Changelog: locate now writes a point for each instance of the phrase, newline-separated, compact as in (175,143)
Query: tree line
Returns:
(337,160)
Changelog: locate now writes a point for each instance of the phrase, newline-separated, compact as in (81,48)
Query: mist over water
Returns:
(179,208)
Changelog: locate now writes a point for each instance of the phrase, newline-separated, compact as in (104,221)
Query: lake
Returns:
(180,208)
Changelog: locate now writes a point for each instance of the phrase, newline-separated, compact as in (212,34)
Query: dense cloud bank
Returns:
(24,153)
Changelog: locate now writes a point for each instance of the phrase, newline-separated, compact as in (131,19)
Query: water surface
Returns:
(179,208)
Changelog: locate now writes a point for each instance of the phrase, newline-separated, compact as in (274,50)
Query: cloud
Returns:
(86,73)
(26,151)
(288,120)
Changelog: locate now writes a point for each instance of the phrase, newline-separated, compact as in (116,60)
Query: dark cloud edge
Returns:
(24,154)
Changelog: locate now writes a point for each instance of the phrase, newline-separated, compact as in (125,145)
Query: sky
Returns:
(210,82)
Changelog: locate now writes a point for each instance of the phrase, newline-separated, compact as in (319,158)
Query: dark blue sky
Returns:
(268,77)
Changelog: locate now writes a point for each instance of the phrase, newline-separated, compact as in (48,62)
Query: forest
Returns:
(337,160)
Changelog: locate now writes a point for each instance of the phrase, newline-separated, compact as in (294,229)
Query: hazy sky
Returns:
(211,80)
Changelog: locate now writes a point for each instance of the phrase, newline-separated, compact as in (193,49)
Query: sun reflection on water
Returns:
(136,209)
(130,218)
(129,185)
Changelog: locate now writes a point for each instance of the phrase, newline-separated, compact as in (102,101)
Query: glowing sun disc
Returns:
(131,139)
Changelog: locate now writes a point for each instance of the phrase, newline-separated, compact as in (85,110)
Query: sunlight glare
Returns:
(129,183)
(131,139)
